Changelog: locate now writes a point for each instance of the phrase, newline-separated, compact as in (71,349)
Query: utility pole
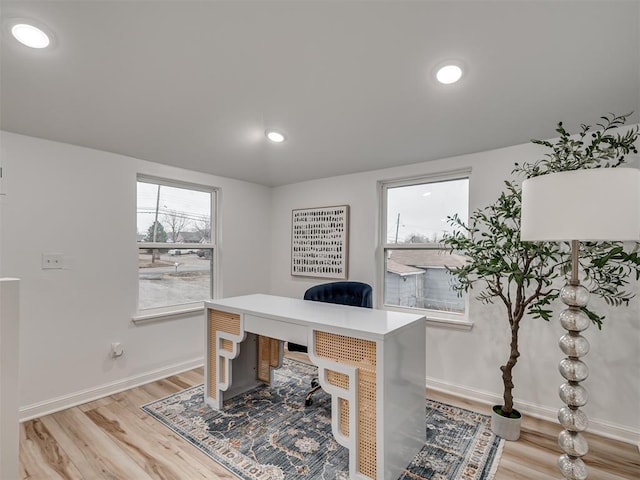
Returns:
(397,227)
(155,253)
(155,223)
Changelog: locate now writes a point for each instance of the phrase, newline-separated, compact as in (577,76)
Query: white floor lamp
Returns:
(589,205)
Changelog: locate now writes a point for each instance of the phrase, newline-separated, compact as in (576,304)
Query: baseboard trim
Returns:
(596,426)
(53,405)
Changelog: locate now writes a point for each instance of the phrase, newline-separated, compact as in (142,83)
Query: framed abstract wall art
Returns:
(319,242)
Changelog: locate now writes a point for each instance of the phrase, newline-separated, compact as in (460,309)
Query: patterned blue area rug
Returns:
(268,434)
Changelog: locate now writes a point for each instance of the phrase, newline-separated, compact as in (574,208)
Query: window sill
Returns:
(162,314)
(458,322)
(449,323)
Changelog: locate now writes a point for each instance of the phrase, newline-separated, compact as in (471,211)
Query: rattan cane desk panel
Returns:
(367,440)
(341,380)
(338,379)
(344,416)
(226,345)
(354,351)
(220,321)
(360,353)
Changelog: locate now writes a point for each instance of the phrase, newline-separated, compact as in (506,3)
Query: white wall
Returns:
(467,362)
(81,203)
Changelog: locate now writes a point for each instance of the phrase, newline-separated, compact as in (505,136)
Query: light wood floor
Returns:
(112,438)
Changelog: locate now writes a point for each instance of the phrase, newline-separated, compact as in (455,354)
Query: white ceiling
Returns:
(195,84)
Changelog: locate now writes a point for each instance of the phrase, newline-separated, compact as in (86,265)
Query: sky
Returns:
(423,208)
(194,205)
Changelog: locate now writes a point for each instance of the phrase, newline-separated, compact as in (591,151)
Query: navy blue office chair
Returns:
(356,294)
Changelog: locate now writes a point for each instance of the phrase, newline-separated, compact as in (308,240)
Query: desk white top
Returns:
(364,322)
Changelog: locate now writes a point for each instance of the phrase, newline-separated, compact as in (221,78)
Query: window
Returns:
(414,259)
(176,243)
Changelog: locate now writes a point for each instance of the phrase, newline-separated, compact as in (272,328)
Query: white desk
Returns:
(372,362)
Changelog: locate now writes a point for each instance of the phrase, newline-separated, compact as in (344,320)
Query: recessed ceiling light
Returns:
(30,36)
(275,136)
(449,73)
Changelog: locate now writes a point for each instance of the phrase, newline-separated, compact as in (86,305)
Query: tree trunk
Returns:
(507,370)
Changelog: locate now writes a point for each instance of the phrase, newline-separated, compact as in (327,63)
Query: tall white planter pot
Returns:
(505,427)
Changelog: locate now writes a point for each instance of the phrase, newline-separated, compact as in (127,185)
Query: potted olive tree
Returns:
(522,275)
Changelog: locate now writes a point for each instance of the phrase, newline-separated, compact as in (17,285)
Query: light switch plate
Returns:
(51,261)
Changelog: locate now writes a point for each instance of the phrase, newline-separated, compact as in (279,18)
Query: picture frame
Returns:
(320,242)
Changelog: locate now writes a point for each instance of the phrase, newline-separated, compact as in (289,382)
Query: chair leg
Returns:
(315,386)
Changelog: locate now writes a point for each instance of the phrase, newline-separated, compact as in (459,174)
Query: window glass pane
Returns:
(173,276)
(419,279)
(417,213)
(181,270)
(172,214)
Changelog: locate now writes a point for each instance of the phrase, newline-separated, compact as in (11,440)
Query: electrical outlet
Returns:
(51,261)
(116,349)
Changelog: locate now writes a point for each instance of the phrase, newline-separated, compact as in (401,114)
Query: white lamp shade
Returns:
(590,205)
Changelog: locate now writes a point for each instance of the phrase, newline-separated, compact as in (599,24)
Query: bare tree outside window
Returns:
(176,223)
(203,227)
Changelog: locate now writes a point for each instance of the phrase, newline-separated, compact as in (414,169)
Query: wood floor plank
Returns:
(113,438)
(160,388)
(153,448)
(90,449)
(136,443)
(180,381)
(95,404)
(41,457)
(133,399)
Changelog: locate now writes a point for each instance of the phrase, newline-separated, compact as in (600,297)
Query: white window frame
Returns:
(436,317)
(165,312)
